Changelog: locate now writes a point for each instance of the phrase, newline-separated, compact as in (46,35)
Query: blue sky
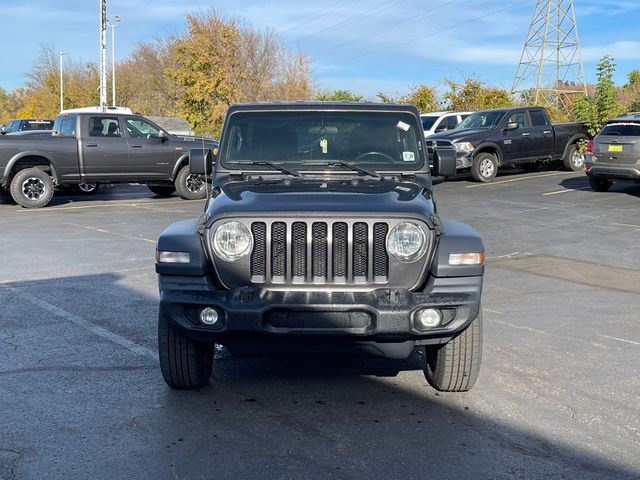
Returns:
(362,45)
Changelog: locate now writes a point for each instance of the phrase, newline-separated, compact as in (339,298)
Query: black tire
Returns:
(599,184)
(186,184)
(162,191)
(484,168)
(454,367)
(32,188)
(185,364)
(573,160)
(86,188)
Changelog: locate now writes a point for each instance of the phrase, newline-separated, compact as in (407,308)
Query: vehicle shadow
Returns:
(87,404)
(582,183)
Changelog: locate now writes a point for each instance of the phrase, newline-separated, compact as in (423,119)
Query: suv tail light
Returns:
(590,147)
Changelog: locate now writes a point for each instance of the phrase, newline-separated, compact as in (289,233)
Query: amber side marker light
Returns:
(172,257)
(473,258)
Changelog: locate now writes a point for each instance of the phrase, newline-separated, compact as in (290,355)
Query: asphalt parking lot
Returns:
(81,395)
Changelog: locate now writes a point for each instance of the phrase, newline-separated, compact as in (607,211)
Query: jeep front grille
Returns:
(319,252)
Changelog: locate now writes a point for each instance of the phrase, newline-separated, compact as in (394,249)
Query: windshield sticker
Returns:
(403,126)
(324,145)
(408,156)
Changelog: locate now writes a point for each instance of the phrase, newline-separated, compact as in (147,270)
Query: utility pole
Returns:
(103,54)
(551,69)
(113,24)
(61,54)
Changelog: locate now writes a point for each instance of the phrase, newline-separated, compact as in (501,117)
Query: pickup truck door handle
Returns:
(91,145)
(526,134)
(136,146)
(547,132)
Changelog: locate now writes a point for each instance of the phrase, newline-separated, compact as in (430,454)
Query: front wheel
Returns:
(574,160)
(32,188)
(185,364)
(599,184)
(190,186)
(484,168)
(454,366)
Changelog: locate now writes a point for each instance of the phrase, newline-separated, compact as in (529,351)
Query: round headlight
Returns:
(232,241)
(406,242)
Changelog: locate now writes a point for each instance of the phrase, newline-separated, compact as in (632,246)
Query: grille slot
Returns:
(319,252)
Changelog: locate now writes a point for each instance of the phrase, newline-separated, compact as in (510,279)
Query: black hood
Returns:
(321,196)
(465,134)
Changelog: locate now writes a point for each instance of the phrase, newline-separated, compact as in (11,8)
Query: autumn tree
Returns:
(473,94)
(340,95)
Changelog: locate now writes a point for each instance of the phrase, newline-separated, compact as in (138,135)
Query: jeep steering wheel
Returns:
(380,154)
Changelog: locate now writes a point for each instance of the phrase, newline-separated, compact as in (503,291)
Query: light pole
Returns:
(61,82)
(113,24)
(103,54)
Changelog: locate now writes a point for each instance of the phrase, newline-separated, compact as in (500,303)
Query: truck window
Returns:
(538,118)
(452,122)
(520,118)
(65,126)
(104,127)
(138,128)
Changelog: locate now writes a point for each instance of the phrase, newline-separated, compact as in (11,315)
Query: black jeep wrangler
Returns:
(321,232)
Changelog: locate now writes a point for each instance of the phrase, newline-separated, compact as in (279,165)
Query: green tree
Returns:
(595,110)
(340,95)
(422,96)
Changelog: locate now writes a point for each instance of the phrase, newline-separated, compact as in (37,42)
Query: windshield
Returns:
(308,139)
(427,122)
(488,119)
(28,125)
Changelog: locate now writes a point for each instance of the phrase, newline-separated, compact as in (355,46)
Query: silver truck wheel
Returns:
(574,160)
(32,188)
(454,367)
(484,168)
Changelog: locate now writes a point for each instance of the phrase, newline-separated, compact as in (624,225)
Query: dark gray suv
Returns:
(321,234)
(614,154)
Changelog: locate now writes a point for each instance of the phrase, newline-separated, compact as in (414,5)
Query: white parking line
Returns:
(567,190)
(519,179)
(103,205)
(626,225)
(619,339)
(130,345)
(102,230)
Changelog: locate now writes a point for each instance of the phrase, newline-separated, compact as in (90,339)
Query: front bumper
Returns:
(464,160)
(379,316)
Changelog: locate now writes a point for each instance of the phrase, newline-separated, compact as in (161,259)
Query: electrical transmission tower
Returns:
(551,69)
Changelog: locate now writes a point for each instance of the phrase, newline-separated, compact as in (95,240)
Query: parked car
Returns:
(437,122)
(321,234)
(87,148)
(614,154)
(521,136)
(22,125)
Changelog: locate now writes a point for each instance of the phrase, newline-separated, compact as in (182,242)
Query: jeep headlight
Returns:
(406,242)
(464,147)
(232,241)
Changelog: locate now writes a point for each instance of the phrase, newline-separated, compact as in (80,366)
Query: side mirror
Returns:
(201,161)
(511,126)
(444,162)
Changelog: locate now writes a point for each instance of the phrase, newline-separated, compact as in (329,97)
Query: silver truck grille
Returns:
(319,252)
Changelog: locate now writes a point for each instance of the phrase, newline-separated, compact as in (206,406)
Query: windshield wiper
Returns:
(275,166)
(350,166)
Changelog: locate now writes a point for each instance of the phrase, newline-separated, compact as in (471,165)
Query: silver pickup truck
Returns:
(91,148)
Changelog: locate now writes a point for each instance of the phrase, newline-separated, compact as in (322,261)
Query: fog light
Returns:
(428,318)
(209,316)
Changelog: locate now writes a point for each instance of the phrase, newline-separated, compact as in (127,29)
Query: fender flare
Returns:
(29,153)
(176,167)
(492,145)
(573,140)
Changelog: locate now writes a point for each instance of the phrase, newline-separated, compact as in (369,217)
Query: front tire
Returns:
(484,168)
(454,366)
(185,364)
(190,186)
(162,191)
(573,160)
(599,184)
(32,188)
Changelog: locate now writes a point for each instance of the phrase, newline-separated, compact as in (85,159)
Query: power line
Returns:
(395,26)
(419,37)
(336,6)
